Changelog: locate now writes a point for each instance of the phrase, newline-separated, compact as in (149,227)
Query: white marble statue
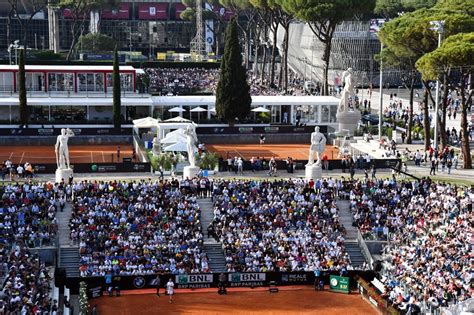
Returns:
(318,144)
(191,139)
(156,150)
(61,149)
(347,92)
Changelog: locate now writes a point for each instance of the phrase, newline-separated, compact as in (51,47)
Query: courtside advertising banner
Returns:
(339,284)
(247,279)
(193,281)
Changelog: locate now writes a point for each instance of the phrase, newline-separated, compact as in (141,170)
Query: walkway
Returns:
(212,248)
(68,252)
(346,218)
(63,225)
(351,245)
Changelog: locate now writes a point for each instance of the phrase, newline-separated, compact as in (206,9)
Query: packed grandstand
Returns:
(149,227)
(185,81)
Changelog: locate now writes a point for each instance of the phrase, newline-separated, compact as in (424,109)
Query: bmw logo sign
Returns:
(139,282)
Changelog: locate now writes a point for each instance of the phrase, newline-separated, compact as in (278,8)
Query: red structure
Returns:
(153,11)
(122,12)
(72,79)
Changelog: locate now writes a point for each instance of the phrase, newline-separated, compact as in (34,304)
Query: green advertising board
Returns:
(339,284)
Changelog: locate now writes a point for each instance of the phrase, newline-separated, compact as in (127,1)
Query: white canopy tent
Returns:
(175,124)
(173,138)
(147,122)
(176,147)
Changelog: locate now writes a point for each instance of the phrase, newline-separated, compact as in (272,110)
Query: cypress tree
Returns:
(22,89)
(116,91)
(233,91)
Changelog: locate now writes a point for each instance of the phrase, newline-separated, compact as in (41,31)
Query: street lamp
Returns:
(304,79)
(437,26)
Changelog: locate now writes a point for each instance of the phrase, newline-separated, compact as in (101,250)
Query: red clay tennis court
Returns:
(279,151)
(290,300)
(77,154)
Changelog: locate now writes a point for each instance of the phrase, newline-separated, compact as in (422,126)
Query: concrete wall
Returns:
(78,140)
(375,247)
(46,254)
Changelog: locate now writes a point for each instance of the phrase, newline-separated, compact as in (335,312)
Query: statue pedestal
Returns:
(313,172)
(348,120)
(63,174)
(191,171)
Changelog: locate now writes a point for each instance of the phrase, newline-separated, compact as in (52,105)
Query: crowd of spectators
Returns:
(429,226)
(144,227)
(10,171)
(282,225)
(27,219)
(28,212)
(27,283)
(182,81)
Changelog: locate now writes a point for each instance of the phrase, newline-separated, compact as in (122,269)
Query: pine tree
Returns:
(116,91)
(22,89)
(233,91)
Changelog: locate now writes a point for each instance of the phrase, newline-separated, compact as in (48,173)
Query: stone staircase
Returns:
(68,252)
(69,260)
(212,248)
(352,247)
(216,257)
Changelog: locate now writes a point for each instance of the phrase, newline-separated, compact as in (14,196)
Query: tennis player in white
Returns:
(170,289)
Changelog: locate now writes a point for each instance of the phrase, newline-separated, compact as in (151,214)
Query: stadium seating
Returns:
(131,228)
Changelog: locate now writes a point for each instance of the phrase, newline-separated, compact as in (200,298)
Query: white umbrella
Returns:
(212,109)
(197,110)
(260,110)
(177,147)
(176,110)
(178,120)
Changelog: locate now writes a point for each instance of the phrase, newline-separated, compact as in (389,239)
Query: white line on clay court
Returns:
(92,158)
(11,154)
(22,155)
(103,157)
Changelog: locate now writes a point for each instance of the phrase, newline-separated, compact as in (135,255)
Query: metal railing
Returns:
(8,91)
(365,249)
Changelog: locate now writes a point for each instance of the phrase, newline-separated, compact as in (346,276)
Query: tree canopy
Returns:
(455,55)
(233,92)
(456,51)
(80,10)
(95,42)
(391,8)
